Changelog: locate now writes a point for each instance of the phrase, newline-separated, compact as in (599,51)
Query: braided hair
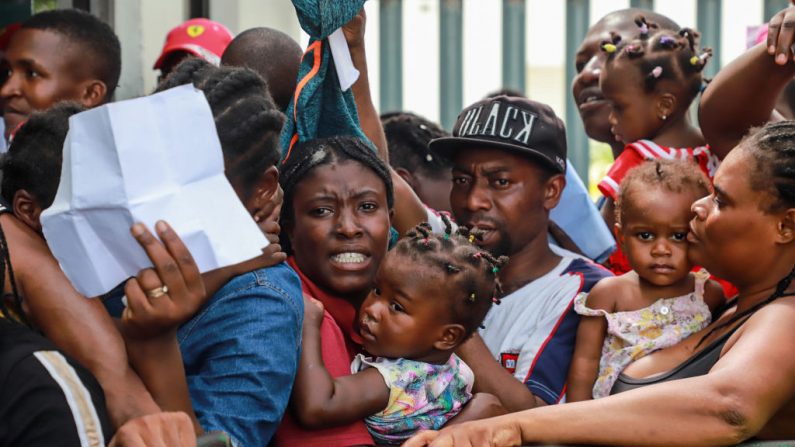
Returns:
(471,271)
(676,176)
(247,120)
(408,136)
(661,54)
(773,149)
(308,155)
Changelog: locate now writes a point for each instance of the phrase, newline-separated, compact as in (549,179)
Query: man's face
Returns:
(503,195)
(589,60)
(40,69)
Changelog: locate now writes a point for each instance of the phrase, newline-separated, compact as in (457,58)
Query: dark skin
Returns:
(340,208)
(659,115)
(712,409)
(589,62)
(653,235)
(79,326)
(43,68)
(398,321)
(508,196)
(744,93)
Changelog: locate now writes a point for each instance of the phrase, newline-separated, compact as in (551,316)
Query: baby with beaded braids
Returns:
(431,293)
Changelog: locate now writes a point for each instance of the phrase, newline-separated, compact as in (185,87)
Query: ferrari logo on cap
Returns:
(195,30)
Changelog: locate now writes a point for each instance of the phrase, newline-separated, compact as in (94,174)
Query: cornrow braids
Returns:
(662,54)
(470,271)
(309,155)
(676,176)
(247,120)
(780,292)
(408,137)
(773,150)
(33,162)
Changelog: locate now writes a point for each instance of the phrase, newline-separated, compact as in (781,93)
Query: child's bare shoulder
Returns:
(606,293)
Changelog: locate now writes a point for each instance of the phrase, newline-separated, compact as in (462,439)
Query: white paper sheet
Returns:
(143,160)
(346,72)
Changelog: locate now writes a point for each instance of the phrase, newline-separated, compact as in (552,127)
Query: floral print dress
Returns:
(634,334)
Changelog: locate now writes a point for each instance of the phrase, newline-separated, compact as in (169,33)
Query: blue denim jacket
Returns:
(241,354)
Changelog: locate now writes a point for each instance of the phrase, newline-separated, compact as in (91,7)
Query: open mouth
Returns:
(589,100)
(351,260)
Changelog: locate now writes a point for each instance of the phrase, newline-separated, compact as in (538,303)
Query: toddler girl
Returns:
(431,293)
(650,82)
(660,301)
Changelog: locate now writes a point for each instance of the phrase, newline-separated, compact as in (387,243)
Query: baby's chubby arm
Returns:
(320,401)
(584,367)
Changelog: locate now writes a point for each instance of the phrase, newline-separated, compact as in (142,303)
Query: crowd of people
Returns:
(422,287)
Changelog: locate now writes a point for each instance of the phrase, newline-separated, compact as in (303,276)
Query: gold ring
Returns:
(160,291)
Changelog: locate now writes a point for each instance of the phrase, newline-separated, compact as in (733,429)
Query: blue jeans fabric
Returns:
(241,354)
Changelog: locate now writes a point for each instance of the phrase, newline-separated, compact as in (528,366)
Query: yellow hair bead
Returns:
(694,60)
(609,48)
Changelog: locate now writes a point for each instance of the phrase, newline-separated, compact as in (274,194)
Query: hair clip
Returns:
(667,41)
(656,72)
(609,48)
(472,298)
(704,56)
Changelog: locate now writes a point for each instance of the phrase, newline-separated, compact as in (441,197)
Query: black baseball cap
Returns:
(517,124)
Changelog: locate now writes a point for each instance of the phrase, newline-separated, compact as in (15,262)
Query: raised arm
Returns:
(409,210)
(713,409)
(743,94)
(79,326)
(320,401)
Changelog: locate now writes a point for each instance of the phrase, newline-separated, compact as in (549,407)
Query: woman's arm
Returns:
(320,401)
(150,323)
(743,94)
(409,210)
(752,381)
(584,367)
(79,326)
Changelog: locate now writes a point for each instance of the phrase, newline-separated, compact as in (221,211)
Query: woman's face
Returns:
(731,235)
(339,230)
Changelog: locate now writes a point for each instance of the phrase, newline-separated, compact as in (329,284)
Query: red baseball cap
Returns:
(199,37)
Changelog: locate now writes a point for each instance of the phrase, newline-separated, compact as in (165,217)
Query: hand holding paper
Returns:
(143,160)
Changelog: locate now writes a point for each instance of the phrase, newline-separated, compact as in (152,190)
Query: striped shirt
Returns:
(635,153)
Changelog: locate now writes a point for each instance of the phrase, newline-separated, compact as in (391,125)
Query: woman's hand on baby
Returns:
(313,312)
(781,35)
(159,299)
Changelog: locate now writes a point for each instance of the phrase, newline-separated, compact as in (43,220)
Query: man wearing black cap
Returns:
(509,159)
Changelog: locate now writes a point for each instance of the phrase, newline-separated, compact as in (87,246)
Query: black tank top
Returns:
(697,365)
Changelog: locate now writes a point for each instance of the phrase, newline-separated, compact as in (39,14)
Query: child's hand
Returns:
(781,36)
(313,312)
(159,299)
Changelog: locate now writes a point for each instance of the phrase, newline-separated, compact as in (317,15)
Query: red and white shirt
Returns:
(636,153)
